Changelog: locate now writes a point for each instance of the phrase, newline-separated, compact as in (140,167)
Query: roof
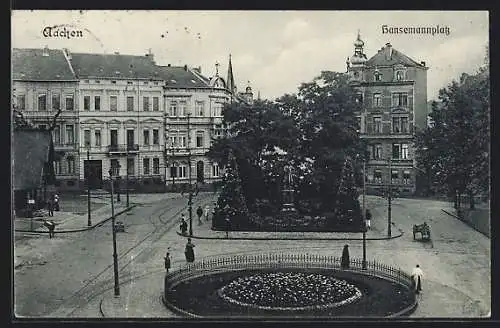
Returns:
(384,57)
(32,65)
(181,77)
(31,153)
(113,66)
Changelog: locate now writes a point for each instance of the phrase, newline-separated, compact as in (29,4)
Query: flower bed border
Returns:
(217,264)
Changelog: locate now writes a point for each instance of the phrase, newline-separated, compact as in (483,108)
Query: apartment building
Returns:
(42,84)
(127,115)
(393,90)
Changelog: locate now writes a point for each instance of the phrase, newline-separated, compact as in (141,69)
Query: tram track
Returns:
(93,287)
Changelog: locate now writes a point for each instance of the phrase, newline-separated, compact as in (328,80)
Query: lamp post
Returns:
(364,216)
(118,183)
(115,256)
(89,221)
(389,200)
(126,179)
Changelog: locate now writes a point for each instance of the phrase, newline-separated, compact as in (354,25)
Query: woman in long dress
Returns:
(189,251)
(417,275)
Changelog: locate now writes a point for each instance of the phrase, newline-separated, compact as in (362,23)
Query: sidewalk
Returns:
(67,222)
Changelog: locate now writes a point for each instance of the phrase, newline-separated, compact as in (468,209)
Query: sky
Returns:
(272,51)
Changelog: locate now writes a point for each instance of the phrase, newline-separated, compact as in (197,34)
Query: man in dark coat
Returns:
(368,219)
(167,262)
(344,264)
(189,251)
(50,206)
(183,225)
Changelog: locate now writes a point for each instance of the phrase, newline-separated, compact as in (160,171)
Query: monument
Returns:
(288,191)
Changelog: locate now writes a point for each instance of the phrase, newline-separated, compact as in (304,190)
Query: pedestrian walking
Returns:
(167,261)
(228,227)
(51,226)
(344,263)
(50,205)
(368,219)
(207,212)
(199,212)
(183,225)
(189,251)
(417,275)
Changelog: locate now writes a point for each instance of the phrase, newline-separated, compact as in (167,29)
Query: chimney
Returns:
(150,55)
(422,63)
(389,51)
(45,52)
(117,53)
(185,67)
(169,65)
(67,53)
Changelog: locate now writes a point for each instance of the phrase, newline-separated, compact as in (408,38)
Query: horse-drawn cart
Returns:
(424,230)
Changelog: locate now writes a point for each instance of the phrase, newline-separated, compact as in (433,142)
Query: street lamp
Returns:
(115,256)
(126,179)
(364,216)
(89,221)
(118,182)
(389,200)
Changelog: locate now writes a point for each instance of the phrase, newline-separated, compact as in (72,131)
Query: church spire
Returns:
(230,78)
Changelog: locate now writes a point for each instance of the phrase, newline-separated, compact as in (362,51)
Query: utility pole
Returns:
(190,200)
(115,256)
(126,179)
(389,200)
(364,216)
(89,221)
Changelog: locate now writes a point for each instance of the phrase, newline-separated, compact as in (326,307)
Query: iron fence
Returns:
(281,261)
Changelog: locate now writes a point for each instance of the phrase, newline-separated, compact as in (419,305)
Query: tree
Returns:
(454,150)
(231,203)
(347,209)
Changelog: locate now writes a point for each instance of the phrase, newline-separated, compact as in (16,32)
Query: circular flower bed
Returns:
(289,291)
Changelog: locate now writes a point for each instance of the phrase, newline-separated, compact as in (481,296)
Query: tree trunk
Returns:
(471,200)
(455,200)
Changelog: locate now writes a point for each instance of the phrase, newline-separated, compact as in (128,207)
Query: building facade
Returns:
(42,84)
(393,90)
(143,122)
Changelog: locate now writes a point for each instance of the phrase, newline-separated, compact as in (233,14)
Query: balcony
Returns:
(131,149)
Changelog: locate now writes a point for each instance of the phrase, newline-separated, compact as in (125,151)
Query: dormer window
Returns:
(400,75)
(377,76)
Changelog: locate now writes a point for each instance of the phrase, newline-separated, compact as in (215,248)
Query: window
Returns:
(42,102)
(182,108)
(377,151)
(173,108)
(215,170)
(377,124)
(42,127)
(173,141)
(97,81)
(113,103)
(86,103)
(70,161)
(394,176)
(56,101)
(400,151)
(156,137)
(69,102)
(156,165)
(145,164)
(358,123)
(130,82)
(86,138)
(182,171)
(97,103)
(377,100)
(400,75)
(377,176)
(173,171)
(404,151)
(130,103)
(113,134)
(115,167)
(145,82)
(377,76)
(130,166)
(400,124)
(21,102)
(218,109)
(58,167)
(406,177)
(200,108)
(97,137)
(359,98)
(400,99)
(146,137)
(156,104)
(182,141)
(56,133)
(199,139)
(113,82)
(218,131)
(70,136)
(145,104)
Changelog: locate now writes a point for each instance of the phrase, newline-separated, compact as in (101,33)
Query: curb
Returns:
(465,221)
(82,229)
(309,238)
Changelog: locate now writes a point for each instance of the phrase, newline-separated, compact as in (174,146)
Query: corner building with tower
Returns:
(392,88)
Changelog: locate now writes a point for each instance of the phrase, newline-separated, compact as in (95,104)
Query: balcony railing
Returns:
(131,148)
